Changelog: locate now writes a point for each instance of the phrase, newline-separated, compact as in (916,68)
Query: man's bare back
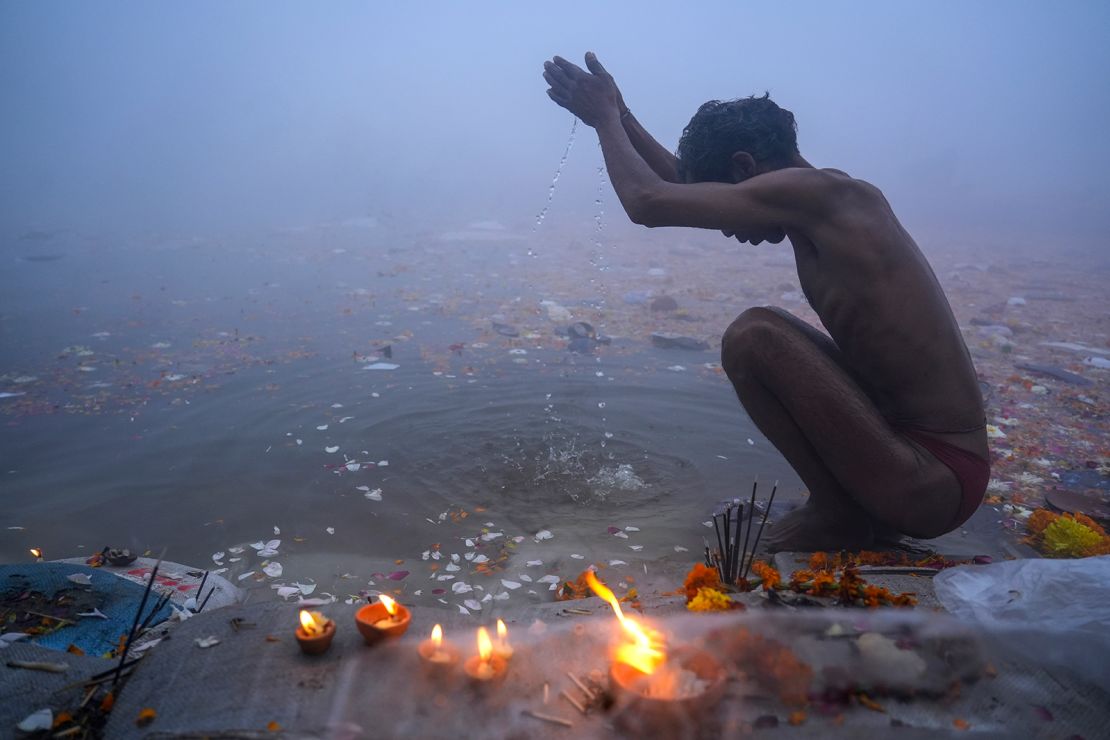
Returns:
(881,303)
(882,419)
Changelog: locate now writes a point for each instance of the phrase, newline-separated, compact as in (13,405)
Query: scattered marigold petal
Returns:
(796,718)
(146,716)
(961,724)
(107,702)
(870,703)
(273,727)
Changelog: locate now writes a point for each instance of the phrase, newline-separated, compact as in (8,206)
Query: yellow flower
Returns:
(1067,538)
(710,600)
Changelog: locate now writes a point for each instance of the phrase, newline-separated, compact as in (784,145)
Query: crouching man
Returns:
(883,417)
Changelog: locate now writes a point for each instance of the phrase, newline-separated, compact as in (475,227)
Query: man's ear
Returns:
(743,166)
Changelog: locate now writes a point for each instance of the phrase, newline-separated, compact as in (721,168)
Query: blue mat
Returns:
(117,598)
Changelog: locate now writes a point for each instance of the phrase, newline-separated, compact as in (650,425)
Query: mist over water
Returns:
(217,219)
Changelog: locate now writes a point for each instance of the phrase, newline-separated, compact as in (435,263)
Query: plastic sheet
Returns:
(1044,601)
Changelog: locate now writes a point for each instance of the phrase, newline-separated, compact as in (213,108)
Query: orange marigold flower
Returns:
(700,576)
(906,599)
(1040,519)
(767,575)
(819,561)
(823,582)
(1089,523)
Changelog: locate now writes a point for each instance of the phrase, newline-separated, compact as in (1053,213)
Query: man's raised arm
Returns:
(761,205)
(564,78)
(658,158)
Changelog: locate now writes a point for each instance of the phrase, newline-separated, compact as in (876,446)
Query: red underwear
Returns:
(972,471)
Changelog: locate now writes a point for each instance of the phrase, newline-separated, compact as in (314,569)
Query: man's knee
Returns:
(748,338)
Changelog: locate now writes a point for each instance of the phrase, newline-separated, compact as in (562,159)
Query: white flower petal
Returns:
(38,721)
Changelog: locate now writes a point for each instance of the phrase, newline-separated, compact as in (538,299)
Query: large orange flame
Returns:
(390,604)
(643,653)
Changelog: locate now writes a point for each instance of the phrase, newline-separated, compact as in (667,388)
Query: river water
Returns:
(357,393)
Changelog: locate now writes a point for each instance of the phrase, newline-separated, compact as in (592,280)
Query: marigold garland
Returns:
(703,586)
(768,576)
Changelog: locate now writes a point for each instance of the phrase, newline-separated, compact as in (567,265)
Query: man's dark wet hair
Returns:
(721,128)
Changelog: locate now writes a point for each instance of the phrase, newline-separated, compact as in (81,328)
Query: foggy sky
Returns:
(981,121)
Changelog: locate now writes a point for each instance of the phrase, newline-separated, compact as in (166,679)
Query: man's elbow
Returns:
(644,213)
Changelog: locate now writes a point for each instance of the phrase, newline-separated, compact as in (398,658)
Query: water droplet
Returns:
(555,179)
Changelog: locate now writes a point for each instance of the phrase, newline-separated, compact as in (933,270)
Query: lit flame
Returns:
(312,624)
(643,654)
(36,552)
(485,646)
(437,636)
(390,604)
(502,632)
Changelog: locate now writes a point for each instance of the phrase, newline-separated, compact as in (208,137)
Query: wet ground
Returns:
(351,405)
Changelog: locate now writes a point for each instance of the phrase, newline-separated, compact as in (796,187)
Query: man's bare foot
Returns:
(806,529)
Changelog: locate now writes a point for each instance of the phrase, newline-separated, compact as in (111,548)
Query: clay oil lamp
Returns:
(315,633)
(438,656)
(487,668)
(659,688)
(382,619)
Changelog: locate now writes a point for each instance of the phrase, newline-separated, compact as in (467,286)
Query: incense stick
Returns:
(549,718)
(762,522)
(720,546)
(138,614)
(748,535)
(206,598)
(574,702)
(200,589)
(158,606)
(728,541)
(737,552)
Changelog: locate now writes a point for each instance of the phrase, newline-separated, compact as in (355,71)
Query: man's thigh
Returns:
(888,476)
